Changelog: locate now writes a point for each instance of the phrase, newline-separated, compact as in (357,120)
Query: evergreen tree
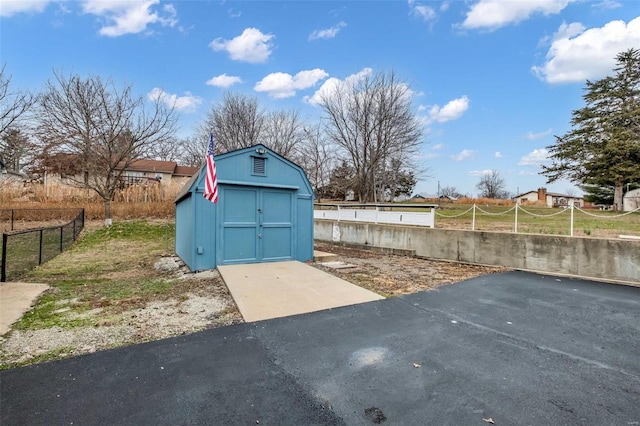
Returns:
(603,147)
(340,182)
(598,194)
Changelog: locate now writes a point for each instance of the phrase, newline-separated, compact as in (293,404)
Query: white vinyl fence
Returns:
(376,215)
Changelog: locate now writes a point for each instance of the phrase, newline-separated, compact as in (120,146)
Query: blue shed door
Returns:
(257,225)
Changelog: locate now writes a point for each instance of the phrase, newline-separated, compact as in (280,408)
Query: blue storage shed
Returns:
(264,212)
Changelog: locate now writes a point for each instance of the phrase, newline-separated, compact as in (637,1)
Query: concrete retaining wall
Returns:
(598,258)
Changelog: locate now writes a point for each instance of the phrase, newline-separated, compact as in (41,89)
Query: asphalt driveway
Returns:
(518,348)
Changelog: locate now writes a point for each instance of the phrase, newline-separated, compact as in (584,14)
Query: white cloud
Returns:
(425,12)
(129,16)
(494,14)
(451,111)
(479,172)
(535,158)
(464,154)
(437,147)
(428,156)
(332,84)
(498,154)
(607,4)
(568,30)
(251,46)
(13,7)
(533,136)
(282,85)
(187,103)
(327,33)
(588,54)
(223,80)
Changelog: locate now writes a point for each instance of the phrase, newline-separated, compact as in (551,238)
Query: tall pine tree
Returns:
(603,146)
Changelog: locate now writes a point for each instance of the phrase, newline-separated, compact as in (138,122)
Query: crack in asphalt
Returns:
(528,342)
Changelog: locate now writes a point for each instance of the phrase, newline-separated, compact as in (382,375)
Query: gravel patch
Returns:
(207,305)
(157,320)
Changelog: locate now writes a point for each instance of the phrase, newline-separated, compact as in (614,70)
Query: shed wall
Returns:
(198,221)
(304,221)
(185,231)
(204,242)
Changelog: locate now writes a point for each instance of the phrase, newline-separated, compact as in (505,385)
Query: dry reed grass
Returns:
(464,200)
(136,201)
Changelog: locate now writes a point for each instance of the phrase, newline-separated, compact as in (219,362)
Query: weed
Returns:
(58,353)
(105,268)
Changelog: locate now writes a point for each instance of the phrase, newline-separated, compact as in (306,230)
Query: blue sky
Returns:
(492,80)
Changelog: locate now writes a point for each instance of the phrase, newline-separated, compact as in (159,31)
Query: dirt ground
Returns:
(195,302)
(391,275)
(201,300)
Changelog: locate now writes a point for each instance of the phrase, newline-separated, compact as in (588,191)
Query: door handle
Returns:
(259,235)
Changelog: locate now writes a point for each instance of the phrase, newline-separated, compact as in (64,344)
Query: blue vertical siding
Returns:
(185,231)
(201,226)
(205,233)
(304,228)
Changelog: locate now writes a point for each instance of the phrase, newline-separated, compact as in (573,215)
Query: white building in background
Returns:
(550,199)
(631,200)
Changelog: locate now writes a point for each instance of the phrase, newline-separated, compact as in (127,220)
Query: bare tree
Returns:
(165,150)
(193,150)
(372,120)
(317,156)
(491,185)
(395,177)
(103,128)
(13,105)
(283,131)
(236,122)
(16,150)
(450,191)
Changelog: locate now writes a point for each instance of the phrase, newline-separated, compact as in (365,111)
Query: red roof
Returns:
(185,171)
(153,166)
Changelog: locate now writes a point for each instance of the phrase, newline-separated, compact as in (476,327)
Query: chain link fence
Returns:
(23,250)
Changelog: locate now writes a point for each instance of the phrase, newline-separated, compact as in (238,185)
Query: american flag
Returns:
(211,180)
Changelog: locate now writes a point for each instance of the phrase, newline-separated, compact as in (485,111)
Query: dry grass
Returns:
(138,201)
(464,200)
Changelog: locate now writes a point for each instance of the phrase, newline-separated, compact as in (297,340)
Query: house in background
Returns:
(60,166)
(143,171)
(550,199)
(631,200)
(11,176)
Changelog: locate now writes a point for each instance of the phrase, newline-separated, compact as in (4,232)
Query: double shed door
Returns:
(256,225)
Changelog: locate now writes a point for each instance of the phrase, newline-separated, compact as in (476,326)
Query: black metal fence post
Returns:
(45,248)
(40,251)
(3,268)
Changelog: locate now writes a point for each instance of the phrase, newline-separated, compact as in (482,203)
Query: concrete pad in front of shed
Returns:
(15,300)
(273,290)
